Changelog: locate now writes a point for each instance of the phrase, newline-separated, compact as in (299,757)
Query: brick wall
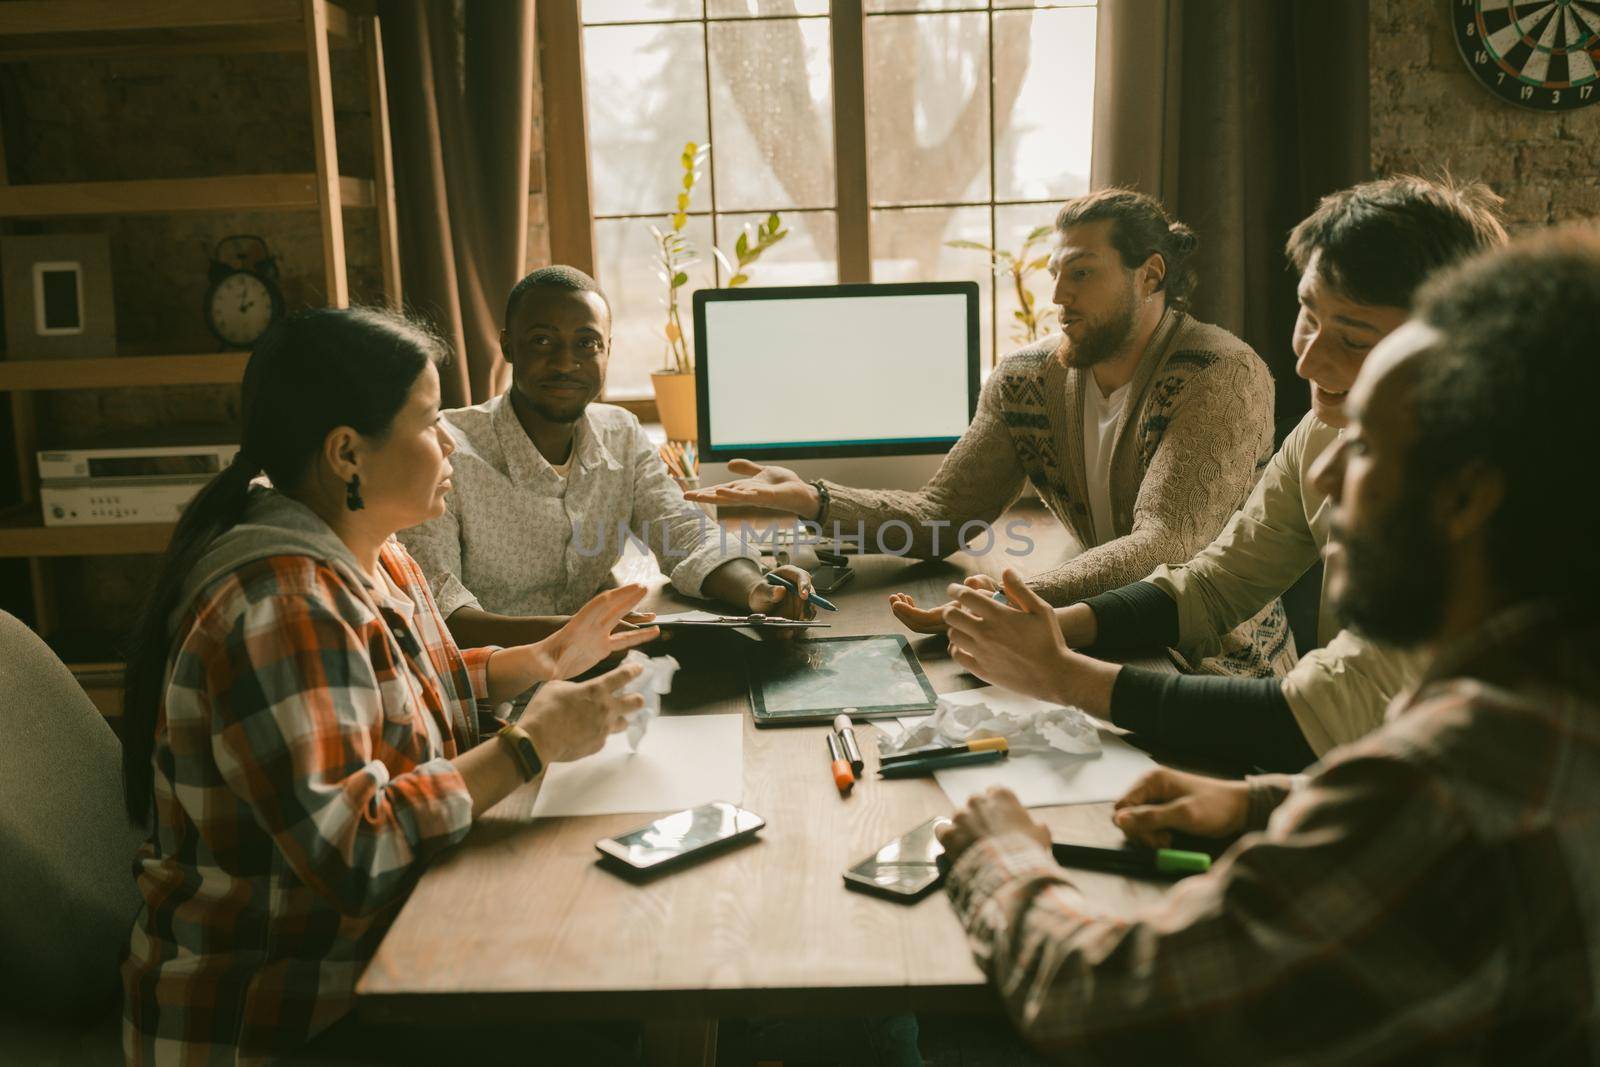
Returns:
(1429,112)
(89,120)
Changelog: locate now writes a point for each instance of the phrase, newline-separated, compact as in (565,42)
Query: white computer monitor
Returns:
(865,384)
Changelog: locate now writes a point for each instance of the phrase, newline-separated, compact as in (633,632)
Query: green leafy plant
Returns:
(1020,266)
(749,248)
(675,255)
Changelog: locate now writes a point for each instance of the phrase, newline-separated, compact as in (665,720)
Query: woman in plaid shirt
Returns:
(299,725)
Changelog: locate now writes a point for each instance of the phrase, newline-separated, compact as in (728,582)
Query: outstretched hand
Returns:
(778,488)
(604,627)
(931,620)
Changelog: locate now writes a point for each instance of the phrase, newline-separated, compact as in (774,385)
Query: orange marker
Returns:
(842,776)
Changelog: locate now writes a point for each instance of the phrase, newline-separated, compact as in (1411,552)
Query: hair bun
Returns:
(1184,240)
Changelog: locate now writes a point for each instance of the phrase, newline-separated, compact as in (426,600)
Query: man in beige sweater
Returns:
(1361,255)
(1141,428)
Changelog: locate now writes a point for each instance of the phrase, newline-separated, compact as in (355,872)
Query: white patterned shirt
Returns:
(518,539)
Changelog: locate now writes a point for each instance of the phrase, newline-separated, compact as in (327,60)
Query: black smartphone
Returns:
(826,577)
(675,839)
(906,869)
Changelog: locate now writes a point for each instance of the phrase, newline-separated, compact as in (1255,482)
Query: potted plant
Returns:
(1019,267)
(674,382)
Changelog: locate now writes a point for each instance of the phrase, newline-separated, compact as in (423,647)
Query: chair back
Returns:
(67,894)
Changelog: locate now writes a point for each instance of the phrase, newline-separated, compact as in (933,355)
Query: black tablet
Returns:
(797,683)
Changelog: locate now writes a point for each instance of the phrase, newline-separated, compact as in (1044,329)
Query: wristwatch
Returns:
(520,745)
(824,498)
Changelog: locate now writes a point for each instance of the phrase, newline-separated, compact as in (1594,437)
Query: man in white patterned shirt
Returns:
(549,486)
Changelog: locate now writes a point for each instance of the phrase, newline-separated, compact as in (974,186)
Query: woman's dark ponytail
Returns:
(214,510)
(313,372)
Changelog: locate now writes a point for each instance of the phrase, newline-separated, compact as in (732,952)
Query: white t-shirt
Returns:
(1101,416)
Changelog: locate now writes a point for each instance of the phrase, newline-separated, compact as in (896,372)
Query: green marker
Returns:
(1138,862)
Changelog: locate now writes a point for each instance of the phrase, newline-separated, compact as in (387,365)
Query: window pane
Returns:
(647,97)
(772,114)
(808,256)
(625,255)
(909,246)
(1013,224)
(744,8)
(639,10)
(928,108)
(875,6)
(1042,140)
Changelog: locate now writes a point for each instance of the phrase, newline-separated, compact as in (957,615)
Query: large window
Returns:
(971,122)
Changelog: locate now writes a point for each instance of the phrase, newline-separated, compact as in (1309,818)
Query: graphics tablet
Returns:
(810,681)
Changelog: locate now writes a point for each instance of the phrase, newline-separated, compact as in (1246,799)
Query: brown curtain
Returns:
(460,78)
(1239,115)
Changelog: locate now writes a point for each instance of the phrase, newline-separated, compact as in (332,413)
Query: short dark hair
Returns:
(1141,228)
(1377,242)
(555,276)
(1511,386)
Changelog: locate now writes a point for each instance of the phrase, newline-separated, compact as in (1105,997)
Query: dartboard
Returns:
(1540,54)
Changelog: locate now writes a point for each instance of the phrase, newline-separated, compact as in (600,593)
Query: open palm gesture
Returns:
(592,634)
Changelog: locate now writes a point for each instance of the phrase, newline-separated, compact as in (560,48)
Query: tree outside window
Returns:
(977,122)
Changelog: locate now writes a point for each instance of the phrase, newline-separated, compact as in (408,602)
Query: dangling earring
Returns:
(352,494)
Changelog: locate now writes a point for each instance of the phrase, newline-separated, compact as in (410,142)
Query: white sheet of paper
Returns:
(683,762)
(1039,780)
(685,616)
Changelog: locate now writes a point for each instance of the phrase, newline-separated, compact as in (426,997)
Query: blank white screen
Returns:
(836,370)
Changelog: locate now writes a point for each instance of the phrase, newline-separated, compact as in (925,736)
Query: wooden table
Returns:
(519,923)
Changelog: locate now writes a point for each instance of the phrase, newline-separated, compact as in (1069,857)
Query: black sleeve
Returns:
(1244,720)
(1136,617)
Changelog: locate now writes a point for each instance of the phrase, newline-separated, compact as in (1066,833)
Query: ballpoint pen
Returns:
(774,578)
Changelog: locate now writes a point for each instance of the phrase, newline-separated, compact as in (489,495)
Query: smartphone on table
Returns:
(674,840)
(906,869)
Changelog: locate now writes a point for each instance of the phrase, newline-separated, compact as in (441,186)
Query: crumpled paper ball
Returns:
(1051,729)
(654,681)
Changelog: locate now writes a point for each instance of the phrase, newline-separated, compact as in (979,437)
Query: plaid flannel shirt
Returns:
(302,778)
(1428,893)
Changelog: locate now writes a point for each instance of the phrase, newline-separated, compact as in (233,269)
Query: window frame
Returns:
(567,173)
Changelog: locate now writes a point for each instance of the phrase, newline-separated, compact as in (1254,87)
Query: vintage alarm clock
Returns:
(243,298)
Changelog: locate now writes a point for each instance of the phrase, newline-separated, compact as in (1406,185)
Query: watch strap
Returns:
(520,745)
(824,499)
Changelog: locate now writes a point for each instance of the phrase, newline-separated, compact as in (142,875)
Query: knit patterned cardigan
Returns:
(1193,438)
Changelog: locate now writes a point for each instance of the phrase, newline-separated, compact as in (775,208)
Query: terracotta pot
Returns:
(675,403)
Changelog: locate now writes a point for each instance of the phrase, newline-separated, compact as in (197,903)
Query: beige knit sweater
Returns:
(1194,436)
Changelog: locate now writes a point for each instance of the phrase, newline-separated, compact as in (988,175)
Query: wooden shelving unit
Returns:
(23,533)
(64,30)
(172,196)
(79,29)
(120,372)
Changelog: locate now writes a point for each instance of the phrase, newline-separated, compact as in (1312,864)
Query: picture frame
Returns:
(58,296)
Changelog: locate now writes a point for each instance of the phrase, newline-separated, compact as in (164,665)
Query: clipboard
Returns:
(710,621)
